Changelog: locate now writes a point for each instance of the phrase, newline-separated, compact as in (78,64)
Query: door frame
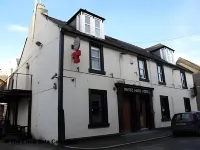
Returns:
(135,90)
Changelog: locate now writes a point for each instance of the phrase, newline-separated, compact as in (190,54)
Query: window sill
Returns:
(102,125)
(97,71)
(162,83)
(166,119)
(145,80)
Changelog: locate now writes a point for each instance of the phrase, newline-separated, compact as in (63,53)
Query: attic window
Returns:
(87,24)
(97,28)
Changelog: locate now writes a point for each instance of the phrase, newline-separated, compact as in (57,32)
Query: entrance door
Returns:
(126,114)
(142,113)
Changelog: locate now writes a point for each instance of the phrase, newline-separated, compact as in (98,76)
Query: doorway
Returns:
(127,114)
(137,112)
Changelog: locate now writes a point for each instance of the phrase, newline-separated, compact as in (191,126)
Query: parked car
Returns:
(186,122)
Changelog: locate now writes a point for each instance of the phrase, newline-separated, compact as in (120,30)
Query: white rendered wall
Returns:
(123,67)
(43,63)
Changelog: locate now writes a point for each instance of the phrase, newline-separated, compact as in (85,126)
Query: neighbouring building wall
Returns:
(117,67)
(197,82)
(43,64)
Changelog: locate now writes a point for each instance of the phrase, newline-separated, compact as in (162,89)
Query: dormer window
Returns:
(97,28)
(87,24)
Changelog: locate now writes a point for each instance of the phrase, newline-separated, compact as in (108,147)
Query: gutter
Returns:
(61,116)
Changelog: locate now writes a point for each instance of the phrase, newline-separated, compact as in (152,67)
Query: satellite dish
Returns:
(76,43)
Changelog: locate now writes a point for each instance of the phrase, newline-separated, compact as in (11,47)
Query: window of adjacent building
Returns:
(161,75)
(96,59)
(87,24)
(98,110)
(187,105)
(143,75)
(165,108)
(97,28)
(183,80)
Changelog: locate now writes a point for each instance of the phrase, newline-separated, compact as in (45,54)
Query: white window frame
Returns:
(183,81)
(99,28)
(86,15)
(143,69)
(160,73)
(93,57)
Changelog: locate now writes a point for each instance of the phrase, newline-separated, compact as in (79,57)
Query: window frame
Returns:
(104,122)
(145,67)
(163,74)
(161,106)
(185,99)
(91,70)
(99,28)
(184,76)
(87,23)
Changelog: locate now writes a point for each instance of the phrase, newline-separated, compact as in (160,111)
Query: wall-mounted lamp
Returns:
(54,76)
(38,43)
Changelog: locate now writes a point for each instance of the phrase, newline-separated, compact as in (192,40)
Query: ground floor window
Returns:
(98,109)
(165,108)
(187,105)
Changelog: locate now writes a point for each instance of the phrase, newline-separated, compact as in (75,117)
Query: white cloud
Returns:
(17,28)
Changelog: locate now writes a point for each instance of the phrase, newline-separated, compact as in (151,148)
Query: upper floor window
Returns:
(161,75)
(96,59)
(183,80)
(97,28)
(87,24)
(143,73)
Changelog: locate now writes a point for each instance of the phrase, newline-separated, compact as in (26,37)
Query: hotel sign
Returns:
(136,90)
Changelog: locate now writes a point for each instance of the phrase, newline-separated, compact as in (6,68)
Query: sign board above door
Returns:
(136,90)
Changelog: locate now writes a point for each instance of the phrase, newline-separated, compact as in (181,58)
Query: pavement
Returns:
(113,142)
(180,143)
(120,140)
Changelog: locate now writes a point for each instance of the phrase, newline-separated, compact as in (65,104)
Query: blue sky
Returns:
(135,21)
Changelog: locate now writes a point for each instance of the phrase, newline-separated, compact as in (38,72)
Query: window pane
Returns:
(87,28)
(96,64)
(185,117)
(97,32)
(87,19)
(142,74)
(96,108)
(95,53)
(97,23)
(141,64)
(165,108)
(159,69)
(183,80)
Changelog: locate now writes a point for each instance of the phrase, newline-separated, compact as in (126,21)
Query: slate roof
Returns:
(157,47)
(121,45)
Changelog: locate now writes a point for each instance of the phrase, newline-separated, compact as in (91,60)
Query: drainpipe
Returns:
(61,116)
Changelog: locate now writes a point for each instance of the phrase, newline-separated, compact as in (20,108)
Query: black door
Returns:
(135,115)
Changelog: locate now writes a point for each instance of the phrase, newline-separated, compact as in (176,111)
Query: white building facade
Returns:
(115,88)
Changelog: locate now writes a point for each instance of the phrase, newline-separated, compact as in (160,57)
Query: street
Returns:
(179,143)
